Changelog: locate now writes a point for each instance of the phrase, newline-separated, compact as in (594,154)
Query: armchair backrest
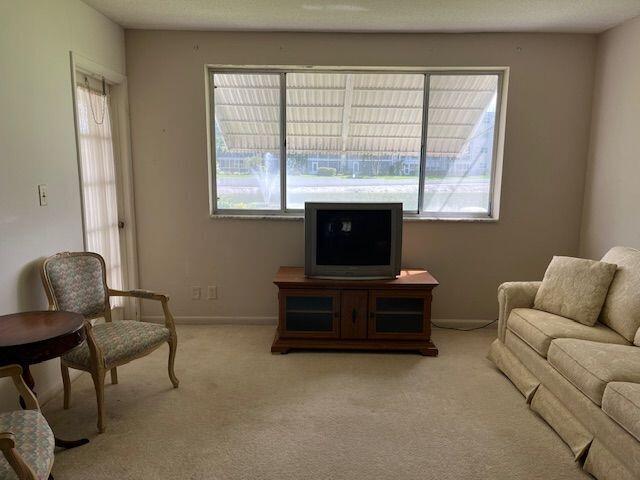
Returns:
(77,282)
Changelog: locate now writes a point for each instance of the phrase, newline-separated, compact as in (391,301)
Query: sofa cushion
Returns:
(538,329)
(621,309)
(575,288)
(621,401)
(637,339)
(590,366)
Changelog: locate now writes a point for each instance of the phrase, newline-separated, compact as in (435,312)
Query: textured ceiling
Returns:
(588,16)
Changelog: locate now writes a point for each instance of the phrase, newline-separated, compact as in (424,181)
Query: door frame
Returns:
(124,166)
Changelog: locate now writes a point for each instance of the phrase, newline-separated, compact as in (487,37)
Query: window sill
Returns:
(298,218)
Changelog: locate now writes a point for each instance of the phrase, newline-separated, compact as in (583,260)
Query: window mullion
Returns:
(423,143)
(283,142)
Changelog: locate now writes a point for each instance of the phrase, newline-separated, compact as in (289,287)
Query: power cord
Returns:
(464,329)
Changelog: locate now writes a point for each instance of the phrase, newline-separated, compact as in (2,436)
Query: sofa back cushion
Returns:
(575,288)
(621,309)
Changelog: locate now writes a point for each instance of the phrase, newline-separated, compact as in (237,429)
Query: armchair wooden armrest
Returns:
(8,449)
(15,372)
(147,294)
(7,439)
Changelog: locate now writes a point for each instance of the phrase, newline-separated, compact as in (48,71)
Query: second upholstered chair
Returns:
(26,441)
(76,282)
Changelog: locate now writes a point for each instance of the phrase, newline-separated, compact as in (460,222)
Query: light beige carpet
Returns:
(243,413)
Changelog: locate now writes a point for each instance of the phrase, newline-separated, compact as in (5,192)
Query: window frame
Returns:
(492,214)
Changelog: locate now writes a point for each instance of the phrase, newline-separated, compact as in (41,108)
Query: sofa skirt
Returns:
(578,438)
(577,420)
(515,371)
(602,464)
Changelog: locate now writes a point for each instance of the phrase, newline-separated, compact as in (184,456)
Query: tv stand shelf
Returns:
(391,314)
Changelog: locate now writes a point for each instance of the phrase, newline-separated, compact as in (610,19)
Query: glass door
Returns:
(313,313)
(400,315)
(99,182)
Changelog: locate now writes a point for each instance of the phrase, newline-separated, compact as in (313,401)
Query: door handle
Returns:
(354,315)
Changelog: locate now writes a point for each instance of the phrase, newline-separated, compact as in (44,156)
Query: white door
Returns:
(99,183)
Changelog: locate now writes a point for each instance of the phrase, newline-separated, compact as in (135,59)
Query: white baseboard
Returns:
(267,320)
(464,322)
(214,320)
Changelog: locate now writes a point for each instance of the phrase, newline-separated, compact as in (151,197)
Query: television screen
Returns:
(353,237)
(352,240)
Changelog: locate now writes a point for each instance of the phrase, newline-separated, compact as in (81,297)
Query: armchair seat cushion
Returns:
(34,442)
(120,341)
(537,329)
(590,366)
(621,401)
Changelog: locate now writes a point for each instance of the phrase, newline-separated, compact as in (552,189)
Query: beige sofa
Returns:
(584,381)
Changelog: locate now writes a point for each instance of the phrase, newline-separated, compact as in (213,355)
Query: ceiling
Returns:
(585,16)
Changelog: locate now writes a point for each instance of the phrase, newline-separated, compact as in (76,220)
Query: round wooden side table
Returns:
(32,337)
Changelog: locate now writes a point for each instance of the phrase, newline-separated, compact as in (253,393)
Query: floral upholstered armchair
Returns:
(26,441)
(76,282)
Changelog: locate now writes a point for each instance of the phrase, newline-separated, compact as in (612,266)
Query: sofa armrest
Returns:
(514,295)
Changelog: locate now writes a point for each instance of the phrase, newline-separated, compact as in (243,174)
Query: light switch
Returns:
(43,195)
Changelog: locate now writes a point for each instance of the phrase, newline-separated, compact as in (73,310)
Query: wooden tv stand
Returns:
(393,314)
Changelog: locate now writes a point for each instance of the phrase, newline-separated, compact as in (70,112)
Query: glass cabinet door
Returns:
(309,313)
(400,315)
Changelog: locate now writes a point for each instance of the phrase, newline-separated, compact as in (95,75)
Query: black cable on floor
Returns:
(465,329)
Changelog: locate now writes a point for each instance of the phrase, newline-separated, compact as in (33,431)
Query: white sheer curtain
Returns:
(99,183)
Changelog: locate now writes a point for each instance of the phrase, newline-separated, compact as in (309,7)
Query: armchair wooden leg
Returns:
(98,383)
(114,376)
(66,382)
(173,345)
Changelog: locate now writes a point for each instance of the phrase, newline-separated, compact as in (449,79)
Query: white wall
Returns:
(612,194)
(547,136)
(37,145)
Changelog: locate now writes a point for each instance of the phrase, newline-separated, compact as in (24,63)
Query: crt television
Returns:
(354,240)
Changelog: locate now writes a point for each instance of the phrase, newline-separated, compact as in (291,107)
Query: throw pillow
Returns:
(575,288)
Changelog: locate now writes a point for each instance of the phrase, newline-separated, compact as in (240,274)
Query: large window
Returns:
(426,139)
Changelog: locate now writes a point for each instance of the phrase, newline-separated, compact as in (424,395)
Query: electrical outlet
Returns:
(43,195)
(196,293)
(212,292)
